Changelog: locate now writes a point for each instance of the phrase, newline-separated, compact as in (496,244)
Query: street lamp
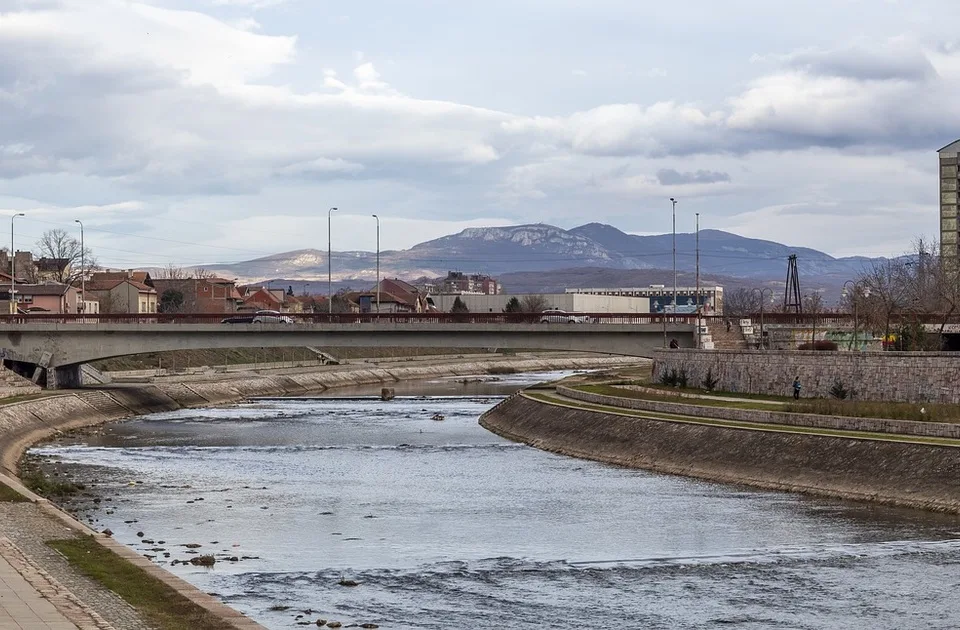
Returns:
(763,343)
(674,202)
(697,299)
(13,266)
(83,269)
(329,266)
(378,262)
(854,295)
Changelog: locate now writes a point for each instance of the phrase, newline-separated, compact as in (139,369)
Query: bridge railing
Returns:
(824,320)
(346,318)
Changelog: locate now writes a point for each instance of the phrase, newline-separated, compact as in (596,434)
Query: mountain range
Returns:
(541,248)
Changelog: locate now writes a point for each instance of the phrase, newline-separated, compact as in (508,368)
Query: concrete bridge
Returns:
(57,350)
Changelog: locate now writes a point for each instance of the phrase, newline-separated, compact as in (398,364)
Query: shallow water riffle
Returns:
(445,525)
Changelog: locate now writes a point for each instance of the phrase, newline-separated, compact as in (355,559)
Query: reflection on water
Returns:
(446,525)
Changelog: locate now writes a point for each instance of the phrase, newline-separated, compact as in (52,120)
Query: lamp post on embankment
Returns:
(763,342)
(329,265)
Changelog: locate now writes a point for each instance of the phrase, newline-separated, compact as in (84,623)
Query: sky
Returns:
(199,131)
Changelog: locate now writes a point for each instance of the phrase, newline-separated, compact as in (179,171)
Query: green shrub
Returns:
(839,390)
(710,381)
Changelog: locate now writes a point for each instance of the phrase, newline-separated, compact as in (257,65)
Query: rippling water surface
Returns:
(448,526)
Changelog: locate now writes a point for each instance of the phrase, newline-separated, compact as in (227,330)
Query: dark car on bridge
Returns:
(238,319)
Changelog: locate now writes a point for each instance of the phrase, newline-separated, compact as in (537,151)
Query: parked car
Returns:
(238,319)
(271,317)
(556,316)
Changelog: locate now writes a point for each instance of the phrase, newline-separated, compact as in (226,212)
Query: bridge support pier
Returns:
(66,377)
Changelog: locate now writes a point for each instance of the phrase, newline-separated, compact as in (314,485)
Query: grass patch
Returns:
(158,602)
(752,426)
(10,495)
(817,406)
(46,486)
(715,392)
(610,390)
(876,409)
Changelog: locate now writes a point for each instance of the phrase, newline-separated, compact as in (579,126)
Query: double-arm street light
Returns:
(13,267)
(378,262)
(329,265)
(83,270)
(763,342)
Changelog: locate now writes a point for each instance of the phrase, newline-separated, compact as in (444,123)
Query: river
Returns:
(445,525)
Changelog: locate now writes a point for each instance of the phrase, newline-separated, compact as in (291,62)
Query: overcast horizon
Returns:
(203,131)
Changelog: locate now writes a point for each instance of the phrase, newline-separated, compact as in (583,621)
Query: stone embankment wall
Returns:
(892,376)
(759,416)
(22,424)
(893,473)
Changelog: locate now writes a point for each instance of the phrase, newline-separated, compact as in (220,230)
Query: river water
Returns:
(445,525)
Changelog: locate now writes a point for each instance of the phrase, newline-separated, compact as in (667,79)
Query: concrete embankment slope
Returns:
(25,423)
(889,472)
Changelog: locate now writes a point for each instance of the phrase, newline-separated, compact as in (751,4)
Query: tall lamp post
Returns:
(763,342)
(83,270)
(674,202)
(378,262)
(329,265)
(855,290)
(13,266)
(699,316)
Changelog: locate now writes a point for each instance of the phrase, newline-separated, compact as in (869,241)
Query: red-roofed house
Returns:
(123,292)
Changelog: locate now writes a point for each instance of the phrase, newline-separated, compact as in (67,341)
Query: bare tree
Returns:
(64,253)
(885,283)
(534,303)
(172,272)
(740,302)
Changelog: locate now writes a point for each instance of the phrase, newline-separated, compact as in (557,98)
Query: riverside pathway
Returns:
(39,589)
(23,607)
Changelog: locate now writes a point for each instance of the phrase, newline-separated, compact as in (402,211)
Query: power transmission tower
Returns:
(791,293)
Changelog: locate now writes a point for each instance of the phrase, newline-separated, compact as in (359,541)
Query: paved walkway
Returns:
(30,599)
(45,575)
(22,607)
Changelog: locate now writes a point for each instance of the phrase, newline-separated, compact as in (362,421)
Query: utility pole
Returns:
(329,265)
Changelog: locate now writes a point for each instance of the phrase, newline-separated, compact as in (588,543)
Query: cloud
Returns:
(164,100)
(672,177)
(889,96)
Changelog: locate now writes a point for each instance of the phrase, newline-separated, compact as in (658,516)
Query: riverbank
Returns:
(23,424)
(857,466)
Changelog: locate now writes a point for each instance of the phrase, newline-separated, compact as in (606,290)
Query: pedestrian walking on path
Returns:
(796,388)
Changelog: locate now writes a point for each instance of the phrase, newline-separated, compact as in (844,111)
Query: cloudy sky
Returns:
(196,131)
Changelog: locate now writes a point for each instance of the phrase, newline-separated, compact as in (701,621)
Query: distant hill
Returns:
(501,251)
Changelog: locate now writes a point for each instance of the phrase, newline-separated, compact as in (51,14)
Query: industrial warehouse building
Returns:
(570,302)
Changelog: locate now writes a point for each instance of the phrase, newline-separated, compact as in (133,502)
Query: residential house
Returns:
(396,296)
(51,269)
(25,269)
(50,297)
(201,295)
(123,292)
(262,299)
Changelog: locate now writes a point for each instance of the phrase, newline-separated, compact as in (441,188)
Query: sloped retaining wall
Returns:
(892,473)
(840,423)
(22,424)
(893,376)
